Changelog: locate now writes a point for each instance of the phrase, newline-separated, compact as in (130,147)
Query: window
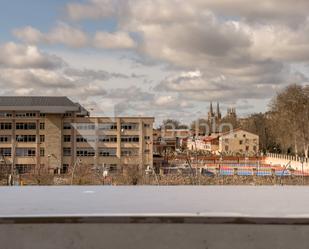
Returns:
(85,139)
(129,152)
(244,135)
(42,152)
(68,114)
(108,139)
(25,126)
(147,151)
(42,115)
(5,139)
(226,148)
(147,137)
(107,152)
(85,152)
(25,115)
(5,126)
(42,138)
(130,126)
(254,148)
(42,126)
(247,148)
(108,126)
(25,152)
(130,139)
(5,114)
(240,142)
(5,151)
(66,126)
(66,138)
(26,138)
(147,125)
(226,140)
(67,151)
(24,168)
(85,126)
(64,169)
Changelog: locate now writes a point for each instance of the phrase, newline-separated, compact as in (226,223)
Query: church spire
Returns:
(210,109)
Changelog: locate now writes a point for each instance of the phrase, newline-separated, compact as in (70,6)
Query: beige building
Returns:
(239,142)
(54,133)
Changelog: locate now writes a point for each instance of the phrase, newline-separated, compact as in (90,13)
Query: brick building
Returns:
(56,133)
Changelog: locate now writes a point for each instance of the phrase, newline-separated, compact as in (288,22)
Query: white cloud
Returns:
(62,33)
(24,56)
(117,40)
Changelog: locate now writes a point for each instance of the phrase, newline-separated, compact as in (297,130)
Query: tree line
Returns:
(284,128)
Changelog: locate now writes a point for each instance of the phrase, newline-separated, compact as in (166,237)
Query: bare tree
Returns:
(290,116)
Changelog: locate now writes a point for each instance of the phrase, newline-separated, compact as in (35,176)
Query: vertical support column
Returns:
(118,122)
(38,143)
(73,136)
(13,141)
(96,148)
(141,143)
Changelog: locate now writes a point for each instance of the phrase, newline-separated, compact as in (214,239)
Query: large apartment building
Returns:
(55,133)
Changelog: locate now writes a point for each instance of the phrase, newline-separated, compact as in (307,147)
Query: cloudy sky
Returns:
(162,58)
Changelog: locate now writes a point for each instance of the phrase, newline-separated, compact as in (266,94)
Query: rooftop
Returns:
(46,104)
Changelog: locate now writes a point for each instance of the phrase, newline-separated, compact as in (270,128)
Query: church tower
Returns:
(218,114)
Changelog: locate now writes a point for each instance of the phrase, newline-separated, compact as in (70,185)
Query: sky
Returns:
(166,59)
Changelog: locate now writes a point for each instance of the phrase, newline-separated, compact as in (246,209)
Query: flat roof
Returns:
(46,104)
(153,202)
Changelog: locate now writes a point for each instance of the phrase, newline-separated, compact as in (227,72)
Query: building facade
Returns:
(55,133)
(239,142)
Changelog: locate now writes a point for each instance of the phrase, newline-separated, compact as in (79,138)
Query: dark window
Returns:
(25,138)
(66,138)
(129,152)
(24,168)
(5,126)
(5,139)
(67,151)
(42,126)
(85,152)
(25,114)
(108,126)
(5,151)
(130,126)
(42,152)
(130,139)
(66,126)
(42,138)
(108,139)
(105,152)
(25,126)
(25,152)
(64,169)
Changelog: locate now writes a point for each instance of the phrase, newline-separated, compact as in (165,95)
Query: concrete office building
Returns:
(55,133)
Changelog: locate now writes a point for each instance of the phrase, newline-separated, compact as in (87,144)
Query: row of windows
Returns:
(25,114)
(20,114)
(5,114)
(22,152)
(130,139)
(104,139)
(104,152)
(105,126)
(5,139)
(21,126)
(25,152)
